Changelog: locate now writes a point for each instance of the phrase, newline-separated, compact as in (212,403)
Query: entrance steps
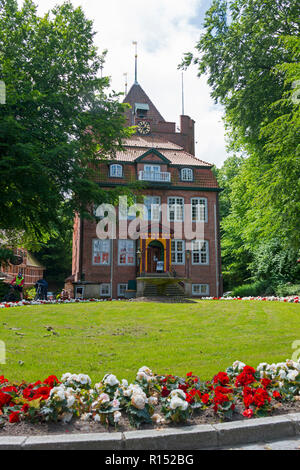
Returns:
(171,290)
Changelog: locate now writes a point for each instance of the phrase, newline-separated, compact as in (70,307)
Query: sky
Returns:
(164,31)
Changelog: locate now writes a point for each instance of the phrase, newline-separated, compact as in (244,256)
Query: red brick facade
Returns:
(169,151)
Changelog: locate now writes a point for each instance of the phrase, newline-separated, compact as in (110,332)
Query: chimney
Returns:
(187,128)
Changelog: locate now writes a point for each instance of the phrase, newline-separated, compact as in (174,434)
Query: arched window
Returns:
(186,174)
(116,171)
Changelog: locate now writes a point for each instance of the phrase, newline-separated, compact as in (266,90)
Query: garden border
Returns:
(207,436)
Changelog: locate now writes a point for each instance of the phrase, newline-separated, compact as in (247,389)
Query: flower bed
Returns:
(293,299)
(152,399)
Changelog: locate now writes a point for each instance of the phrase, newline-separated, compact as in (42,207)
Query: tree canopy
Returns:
(58,116)
(249,50)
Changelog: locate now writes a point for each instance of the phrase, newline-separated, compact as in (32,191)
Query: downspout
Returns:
(216,251)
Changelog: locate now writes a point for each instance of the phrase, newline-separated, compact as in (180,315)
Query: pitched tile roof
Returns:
(138,145)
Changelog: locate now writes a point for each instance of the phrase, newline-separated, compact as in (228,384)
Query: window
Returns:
(187,174)
(152,204)
(122,288)
(79,292)
(177,252)
(199,209)
(200,289)
(116,171)
(126,254)
(175,209)
(101,252)
(104,290)
(200,252)
(152,168)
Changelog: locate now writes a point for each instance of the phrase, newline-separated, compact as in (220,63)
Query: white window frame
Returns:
(116,170)
(177,208)
(153,208)
(151,168)
(105,285)
(119,289)
(202,292)
(126,252)
(187,174)
(199,251)
(103,245)
(177,253)
(199,206)
(76,294)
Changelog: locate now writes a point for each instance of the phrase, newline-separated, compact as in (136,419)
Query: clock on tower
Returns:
(143,127)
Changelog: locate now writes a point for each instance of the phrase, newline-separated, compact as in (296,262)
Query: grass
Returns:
(119,337)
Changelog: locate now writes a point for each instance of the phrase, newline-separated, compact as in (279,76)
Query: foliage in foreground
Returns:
(54,98)
(151,398)
(249,49)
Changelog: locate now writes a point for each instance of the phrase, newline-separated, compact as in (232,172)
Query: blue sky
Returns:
(164,30)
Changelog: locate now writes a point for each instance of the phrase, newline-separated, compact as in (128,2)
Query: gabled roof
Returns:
(137,146)
(155,152)
(136,94)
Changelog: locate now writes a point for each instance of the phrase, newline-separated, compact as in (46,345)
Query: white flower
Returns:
(177,402)
(70,401)
(178,393)
(110,380)
(292,375)
(238,365)
(104,398)
(124,383)
(97,418)
(115,403)
(117,416)
(139,400)
(152,401)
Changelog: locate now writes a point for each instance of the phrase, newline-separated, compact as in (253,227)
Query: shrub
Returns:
(283,290)
(253,289)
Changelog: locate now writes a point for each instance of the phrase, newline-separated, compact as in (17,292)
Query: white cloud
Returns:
(164,30)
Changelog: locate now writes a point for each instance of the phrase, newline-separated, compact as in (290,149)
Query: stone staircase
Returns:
(171,290)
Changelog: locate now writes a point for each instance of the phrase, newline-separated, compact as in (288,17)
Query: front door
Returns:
(154,255)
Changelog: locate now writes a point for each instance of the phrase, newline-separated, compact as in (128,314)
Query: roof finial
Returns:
(125,75)
(135,74)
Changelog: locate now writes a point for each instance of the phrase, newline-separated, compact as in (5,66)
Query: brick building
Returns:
(179,191)
(31,269)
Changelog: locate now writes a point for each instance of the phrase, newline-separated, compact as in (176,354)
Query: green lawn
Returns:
(119,337)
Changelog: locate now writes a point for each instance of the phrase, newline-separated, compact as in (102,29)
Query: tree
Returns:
(58,119)
(249,50)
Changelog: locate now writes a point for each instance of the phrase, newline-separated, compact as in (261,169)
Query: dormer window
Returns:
(187,174)
(141,110)
(116,171)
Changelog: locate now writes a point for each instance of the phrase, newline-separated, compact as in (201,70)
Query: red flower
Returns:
(25,408)
(3,379)
(248,413)
(265,382)
(221,378)
(205,398)
(14,417)
(276,395)
(4,399)
(165,392)
(189,374)
(51,381)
